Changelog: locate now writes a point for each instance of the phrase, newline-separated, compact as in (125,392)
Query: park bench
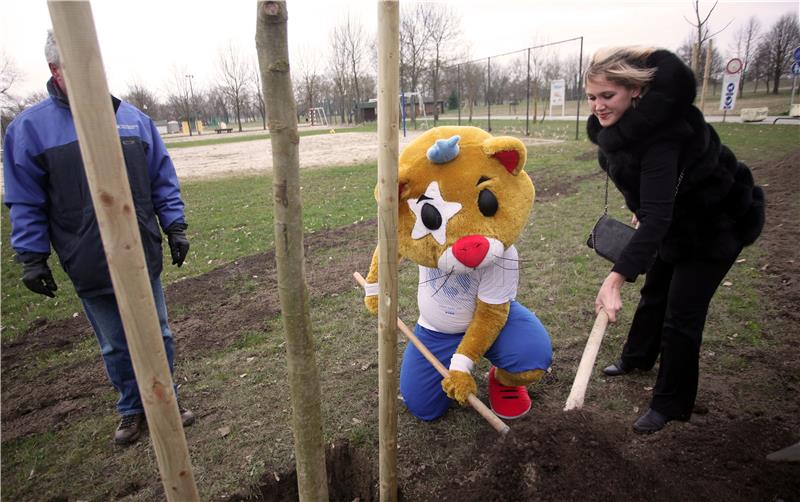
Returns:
(223,127)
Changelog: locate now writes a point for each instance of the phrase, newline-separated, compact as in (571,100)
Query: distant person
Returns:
(695,206)
(49,201)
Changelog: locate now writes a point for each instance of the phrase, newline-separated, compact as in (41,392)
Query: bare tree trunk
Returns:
(273,62)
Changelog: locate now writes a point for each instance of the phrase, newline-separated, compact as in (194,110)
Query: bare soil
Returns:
(590,454)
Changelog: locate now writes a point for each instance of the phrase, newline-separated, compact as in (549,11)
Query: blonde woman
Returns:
(695,207)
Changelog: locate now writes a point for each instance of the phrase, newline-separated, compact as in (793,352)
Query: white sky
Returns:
(153,41)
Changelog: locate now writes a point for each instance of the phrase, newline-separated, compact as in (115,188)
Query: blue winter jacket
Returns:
(48,195)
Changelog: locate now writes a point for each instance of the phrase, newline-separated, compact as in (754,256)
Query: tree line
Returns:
(432,64)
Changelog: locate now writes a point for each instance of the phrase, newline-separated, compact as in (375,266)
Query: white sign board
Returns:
(557,92)
(557,95)
(730,88)
(730,84)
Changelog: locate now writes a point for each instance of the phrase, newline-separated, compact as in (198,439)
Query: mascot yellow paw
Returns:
(459,385)
(372,304)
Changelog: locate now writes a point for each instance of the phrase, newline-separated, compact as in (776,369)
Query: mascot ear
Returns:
(507,150)
(402,190)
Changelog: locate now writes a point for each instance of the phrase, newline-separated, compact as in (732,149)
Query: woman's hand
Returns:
(608,298)
(634,221)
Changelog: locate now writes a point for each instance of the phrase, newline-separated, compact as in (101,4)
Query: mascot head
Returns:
(464,198)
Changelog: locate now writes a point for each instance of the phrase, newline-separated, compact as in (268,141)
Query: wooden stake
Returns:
(90,103)
(472,399)
(706,73)
(273,60)
(388,157)
(576,395)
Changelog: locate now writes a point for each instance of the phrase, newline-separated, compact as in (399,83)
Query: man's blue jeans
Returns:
(103,314)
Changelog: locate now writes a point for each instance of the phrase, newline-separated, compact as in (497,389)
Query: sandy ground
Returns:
(339,149)
(249,157)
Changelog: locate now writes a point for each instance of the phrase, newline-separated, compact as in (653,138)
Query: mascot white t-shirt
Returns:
(447,302)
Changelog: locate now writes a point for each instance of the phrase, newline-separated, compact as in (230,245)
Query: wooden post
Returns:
(695,58)
(90,103)
(576,395)
(388,156)
(706,73)
(273,60)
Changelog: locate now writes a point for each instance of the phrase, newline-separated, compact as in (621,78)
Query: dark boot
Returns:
(129,429)
(187,417)
(616,369)
(652,421)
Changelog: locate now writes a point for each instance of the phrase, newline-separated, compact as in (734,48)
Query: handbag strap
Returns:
(674,196)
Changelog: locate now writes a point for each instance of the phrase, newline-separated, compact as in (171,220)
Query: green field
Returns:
(230,219)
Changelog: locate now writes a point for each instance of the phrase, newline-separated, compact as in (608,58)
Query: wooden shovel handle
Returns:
(476,403)
(576,395)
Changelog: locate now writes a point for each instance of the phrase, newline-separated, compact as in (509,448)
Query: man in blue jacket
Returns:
(49,200)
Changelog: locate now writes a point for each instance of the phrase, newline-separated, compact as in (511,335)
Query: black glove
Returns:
(178,242)
(36,274)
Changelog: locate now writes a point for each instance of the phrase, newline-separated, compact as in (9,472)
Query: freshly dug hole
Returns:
(351,476)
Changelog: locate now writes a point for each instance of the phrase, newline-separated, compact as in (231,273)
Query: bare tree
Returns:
(780,40)
(443,27)
(273,58)
(350,45)
(9,73)
(179,102)
(337,68)
(414,49)
(262,109)
(308,79)
(703,31)
(144,99)
(761,64)
(745,43)
(473,77)
(234,77)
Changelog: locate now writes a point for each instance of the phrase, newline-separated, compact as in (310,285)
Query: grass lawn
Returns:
(231,219)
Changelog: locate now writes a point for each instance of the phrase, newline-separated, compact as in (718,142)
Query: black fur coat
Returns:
(717,209)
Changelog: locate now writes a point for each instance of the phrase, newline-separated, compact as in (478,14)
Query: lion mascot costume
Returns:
(464,200)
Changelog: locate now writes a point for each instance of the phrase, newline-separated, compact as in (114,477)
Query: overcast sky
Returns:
(153,41)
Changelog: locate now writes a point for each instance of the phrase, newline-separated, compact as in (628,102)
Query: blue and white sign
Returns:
(796,68)
(730,88)
(796,53)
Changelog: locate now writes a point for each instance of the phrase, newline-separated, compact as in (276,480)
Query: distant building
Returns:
(369,109)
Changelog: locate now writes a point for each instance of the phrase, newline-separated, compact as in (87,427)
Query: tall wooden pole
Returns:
(706,73)
(273,60)
(388,155)
(90,103)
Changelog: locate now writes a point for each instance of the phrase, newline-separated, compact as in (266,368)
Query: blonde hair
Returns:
(621,65)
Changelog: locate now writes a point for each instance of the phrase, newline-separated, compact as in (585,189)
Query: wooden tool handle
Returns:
(476,403)
(576,395)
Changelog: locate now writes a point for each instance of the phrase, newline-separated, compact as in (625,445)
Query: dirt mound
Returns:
(580,455)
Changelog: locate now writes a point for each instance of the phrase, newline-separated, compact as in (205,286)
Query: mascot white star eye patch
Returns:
(432,213)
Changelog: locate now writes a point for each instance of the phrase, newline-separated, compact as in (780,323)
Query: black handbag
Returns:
(609,236)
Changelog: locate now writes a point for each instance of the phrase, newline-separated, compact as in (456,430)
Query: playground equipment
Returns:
(415,98)
(317,116)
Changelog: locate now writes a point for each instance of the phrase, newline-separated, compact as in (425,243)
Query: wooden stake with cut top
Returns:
(90,103)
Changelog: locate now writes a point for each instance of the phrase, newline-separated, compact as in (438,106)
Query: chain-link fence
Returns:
(517,91)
